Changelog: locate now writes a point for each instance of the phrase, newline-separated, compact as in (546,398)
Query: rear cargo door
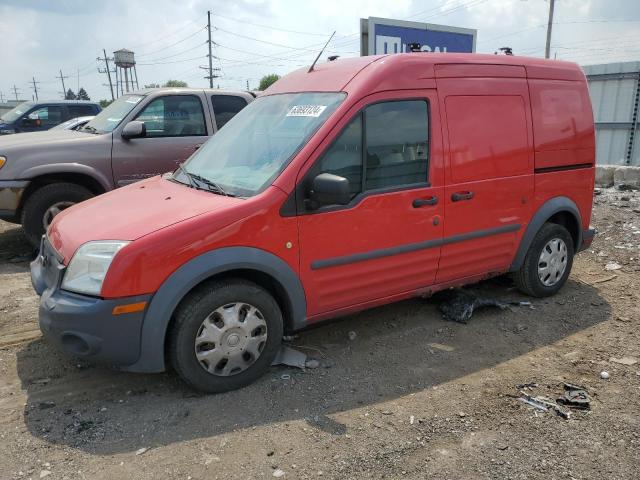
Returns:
(489,167)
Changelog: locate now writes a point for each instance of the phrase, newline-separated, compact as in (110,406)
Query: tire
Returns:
(199,327)
(539,278)
(39,203)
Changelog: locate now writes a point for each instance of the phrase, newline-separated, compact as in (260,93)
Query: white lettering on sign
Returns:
(306,110)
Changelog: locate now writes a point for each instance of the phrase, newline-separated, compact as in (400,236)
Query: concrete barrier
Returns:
(614,175)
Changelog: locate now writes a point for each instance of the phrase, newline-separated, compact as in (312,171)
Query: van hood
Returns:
(131,212)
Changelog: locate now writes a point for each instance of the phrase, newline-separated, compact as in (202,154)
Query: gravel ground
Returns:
(409,396)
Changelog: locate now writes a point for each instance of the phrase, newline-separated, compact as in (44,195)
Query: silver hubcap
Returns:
(231,339)
(552,262)
(52,211)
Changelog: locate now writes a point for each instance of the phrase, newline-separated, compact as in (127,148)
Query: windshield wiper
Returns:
(210,185)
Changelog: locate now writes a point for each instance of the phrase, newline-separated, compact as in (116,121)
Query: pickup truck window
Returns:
(109,118)
(250,151)
(395,145)
(174,116)
(225,107)
(81,110)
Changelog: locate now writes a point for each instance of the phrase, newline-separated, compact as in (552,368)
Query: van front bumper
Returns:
(10,195)
(84,326)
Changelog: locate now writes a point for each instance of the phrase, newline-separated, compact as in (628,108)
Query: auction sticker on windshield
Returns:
(306,110)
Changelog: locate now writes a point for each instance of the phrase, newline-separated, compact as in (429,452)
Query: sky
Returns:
(253,38)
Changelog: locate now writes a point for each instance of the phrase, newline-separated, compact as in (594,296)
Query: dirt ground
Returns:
(411,396)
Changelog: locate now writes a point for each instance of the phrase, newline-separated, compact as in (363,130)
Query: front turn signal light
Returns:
(3,160)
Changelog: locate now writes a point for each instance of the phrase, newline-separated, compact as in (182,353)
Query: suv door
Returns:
(176,126)
(386,241)
(41,118)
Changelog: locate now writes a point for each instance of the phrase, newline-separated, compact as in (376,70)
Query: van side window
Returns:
(474,156)
(81,110)
(344,157)
(397,144)
(174,116)
(225,107)
(47,116)
(396,147)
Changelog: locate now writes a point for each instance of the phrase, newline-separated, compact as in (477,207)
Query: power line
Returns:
(270,27)
(173,44)
(175,61)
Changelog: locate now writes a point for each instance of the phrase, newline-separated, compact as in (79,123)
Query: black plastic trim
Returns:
(562,168)
(411,247)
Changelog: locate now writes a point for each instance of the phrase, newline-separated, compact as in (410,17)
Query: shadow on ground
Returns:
(100,411)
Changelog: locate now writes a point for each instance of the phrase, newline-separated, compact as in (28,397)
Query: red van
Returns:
(358,183)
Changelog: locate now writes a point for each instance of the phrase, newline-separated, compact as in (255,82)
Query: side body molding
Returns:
(546,211)
(180,282)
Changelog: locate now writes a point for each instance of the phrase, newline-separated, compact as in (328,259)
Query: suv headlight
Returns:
(89,266)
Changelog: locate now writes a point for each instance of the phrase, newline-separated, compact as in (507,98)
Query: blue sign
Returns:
(383,35)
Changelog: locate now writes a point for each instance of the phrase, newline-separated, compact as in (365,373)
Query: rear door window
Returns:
(225,107)
(174,116)
(81,110)
(47,116)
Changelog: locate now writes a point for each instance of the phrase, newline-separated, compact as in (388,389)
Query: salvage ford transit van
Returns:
(349,185)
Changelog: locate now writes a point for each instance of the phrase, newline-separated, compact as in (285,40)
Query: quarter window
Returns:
(174,116)
(394,151)
(225,107)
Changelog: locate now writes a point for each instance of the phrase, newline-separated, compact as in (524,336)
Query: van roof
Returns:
(404,69)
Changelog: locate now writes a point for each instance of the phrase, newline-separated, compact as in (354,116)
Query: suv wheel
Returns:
(225,335)
(45,203)
(548,262)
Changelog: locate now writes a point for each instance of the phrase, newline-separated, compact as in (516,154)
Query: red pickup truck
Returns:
(357,183)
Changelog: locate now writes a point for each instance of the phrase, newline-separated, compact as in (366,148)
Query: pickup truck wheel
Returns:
(548,262)
(45,203)
(225,335)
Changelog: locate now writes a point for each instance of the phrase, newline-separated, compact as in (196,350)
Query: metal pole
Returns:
(210,55)
(15,91)
(135,71)
(547,49)
(64,90)
(106,62)
(126,78)
(35,88)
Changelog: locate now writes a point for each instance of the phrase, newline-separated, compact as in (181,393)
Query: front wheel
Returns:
(548,262)
(225,335)
(45,203)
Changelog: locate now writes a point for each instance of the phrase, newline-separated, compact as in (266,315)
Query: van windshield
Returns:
(255,146)
(15,113)
(110,117)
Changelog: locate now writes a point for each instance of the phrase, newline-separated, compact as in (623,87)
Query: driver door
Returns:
(176,126)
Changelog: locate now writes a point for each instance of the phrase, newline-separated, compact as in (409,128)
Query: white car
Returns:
(73,123)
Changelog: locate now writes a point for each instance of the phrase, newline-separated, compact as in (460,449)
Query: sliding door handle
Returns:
(459,196)
(423,202)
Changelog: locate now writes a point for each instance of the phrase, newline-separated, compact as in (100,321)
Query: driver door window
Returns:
(45,117)
(174,116)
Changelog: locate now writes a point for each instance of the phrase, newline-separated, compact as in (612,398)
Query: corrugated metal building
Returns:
(615,93)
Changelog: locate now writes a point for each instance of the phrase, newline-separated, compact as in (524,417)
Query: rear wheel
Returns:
(45,203)
(548,262)
(225,335)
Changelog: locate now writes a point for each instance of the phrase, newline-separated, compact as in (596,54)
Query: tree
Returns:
(105,103)
(268,80)
(70,95)
(82,94)
(175,83)
(152,85)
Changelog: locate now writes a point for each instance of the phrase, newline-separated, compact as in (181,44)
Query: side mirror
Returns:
(134,129)
(329,189)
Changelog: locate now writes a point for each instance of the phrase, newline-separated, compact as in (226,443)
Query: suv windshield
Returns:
(17,112)
(255,146)
(110,117)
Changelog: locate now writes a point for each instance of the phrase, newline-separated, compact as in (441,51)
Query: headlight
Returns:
(7,131)
(3,160)
(89,266)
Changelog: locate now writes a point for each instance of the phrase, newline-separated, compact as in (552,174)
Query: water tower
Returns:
(125,69)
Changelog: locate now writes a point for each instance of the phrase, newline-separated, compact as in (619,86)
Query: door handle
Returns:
(458,196)
(422,202)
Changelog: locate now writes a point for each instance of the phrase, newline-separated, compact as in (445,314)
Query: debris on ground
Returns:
(142,451)
(543,404)
(573,397)
(352,335)
(604,375)
(458,305)
(290,357)
(624,360)
(612,266)
(278,473)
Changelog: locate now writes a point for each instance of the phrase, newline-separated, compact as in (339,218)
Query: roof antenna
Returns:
(316,60)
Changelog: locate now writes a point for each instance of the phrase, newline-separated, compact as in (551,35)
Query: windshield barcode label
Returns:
(306,110)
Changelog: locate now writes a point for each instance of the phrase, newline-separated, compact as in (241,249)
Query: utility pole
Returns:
(1,98)
(15,91)
(35,88)
(64,90)
(211,76)
(547,49)
(108,71)
(247,85)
